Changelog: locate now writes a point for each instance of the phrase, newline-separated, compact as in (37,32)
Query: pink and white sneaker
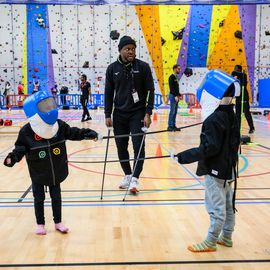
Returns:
(61,227)
(40,230)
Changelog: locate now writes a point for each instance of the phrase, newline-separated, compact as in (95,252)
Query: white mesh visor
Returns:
(46,105)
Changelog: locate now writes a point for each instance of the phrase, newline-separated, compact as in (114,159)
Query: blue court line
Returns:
(2,152)
(125,204)
(246,163)
(142,192)
(257,156)
(108,196)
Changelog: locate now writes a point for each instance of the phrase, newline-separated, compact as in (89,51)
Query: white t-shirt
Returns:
(7,90)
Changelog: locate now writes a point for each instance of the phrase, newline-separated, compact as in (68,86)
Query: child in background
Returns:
(36,87)
(42,142)
(217,156)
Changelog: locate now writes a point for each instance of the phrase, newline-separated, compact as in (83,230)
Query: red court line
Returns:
(146,177)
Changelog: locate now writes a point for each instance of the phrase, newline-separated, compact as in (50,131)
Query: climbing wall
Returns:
(6,41)
(200,23)
(172,19)
(219,14)
(86,41)
(189,85)
(263,41)
(94,49)
(12,22)
(69,46)
(262,52)
(56,41)
(77,40)
(37,47)
(248,25)
(150,25)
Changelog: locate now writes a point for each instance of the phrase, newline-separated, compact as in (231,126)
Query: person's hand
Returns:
(179,158)
(9,160)
(91,100)
(108,122)
(147,120)
(176,98)
(100,137)
(90,134)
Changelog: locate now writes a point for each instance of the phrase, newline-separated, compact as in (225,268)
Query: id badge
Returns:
(135,97)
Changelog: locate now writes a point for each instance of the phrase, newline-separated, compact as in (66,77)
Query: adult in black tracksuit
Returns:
(129,88)
(242,77)
(48,166)
(85,93)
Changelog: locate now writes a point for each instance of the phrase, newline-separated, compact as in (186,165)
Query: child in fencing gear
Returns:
(217,156)
(42,142)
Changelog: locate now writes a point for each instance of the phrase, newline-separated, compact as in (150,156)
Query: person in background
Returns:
(36,87)
(85,93)
(63,93)
(21,94)
(7,92)
(174,97)
(54,92)
(242,102)
(20,89)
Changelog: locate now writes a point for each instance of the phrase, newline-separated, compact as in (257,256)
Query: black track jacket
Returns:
(119,85)
(47,158)
(217,153)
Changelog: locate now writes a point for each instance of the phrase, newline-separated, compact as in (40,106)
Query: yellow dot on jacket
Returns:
(56,151)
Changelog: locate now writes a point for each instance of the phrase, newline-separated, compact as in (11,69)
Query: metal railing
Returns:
(62,101)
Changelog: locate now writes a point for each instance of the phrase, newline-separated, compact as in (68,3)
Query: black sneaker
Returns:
(251,130)
(170,129)
(177,129)
(83,120)
(88,118)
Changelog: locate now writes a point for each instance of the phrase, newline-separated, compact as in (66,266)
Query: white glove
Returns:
(144,129)
(100,137)
(172,154)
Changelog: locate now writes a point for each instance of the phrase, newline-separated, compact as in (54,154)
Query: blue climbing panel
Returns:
(264,93)
(37,48)
(200,23)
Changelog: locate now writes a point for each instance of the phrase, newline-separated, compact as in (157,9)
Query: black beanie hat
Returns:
(125,40)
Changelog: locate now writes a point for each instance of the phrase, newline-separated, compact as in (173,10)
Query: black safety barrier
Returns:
(131,135)
(123,160)
(148,133)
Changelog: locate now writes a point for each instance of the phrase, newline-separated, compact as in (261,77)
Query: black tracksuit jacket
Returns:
(47,158)
(121,79)
(174,85)
(217,153)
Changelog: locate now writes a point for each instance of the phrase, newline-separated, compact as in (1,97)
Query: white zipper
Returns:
(53,175)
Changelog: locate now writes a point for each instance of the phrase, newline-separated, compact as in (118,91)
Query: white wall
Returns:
(82,33)
(12,19)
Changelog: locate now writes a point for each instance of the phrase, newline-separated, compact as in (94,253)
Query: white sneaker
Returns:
(125,182)
(134,185)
